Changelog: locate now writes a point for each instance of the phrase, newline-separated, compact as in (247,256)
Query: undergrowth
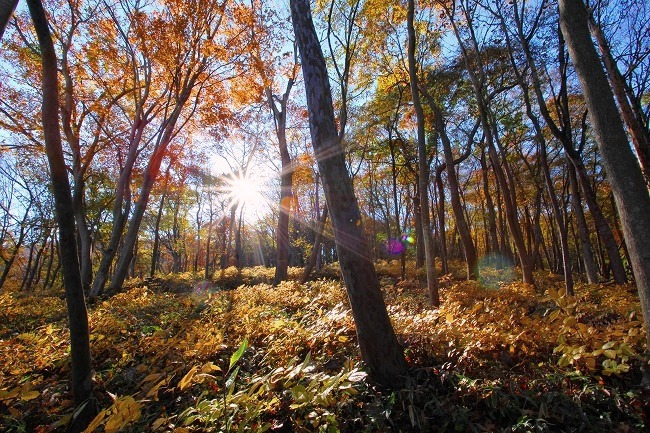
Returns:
(235,354)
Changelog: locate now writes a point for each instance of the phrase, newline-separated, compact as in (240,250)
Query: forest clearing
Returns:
(496,356)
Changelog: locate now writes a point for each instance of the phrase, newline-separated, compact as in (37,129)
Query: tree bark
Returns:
(378,344)
(81,361)
(7,8)
(423,164)
(583,231)
(638,134)
(315,251)
(286,183)
(471,257)
(623,171)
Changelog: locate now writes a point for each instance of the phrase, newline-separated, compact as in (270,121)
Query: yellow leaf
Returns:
(209,367)
(159,423)
(449,318)
(94,425)
(187,379)
(150,378)
(12,393)
(343,338)
(570,321)
(153,392)
(29,395)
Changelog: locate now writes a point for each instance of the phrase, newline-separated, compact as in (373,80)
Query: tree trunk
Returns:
(638,134)
(378,344)
(7,8)
(423,164)
(442,230)
(583,231)
(155,253)
(286,184)
(81,360)
(471,257)
(493,236)
(623,171)
(315,251)
(121,209)
(602,226)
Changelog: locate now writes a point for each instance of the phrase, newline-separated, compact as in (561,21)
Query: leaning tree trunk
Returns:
(81,361)
(379,347)
(623,171)
(7,8)
(638,134)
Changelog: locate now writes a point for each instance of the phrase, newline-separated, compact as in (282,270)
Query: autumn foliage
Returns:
(181,355)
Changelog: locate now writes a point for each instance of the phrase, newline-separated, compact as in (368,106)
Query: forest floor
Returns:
(182,355)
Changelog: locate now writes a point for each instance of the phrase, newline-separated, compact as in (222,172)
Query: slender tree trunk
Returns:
(81,360)
(396,206)
(378,344)
(315,251)
(155,254)
(122,266)
(442,230)
(419,237)
(471,257)
(602,226)
(562,224)
(208,245)
(18,244)
(623,171)
(564,135)
(493,236)
(286,182)
(638,134)
(121,209)
(423,164)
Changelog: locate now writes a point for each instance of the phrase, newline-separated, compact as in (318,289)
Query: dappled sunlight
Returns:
(496,270)
(170,357)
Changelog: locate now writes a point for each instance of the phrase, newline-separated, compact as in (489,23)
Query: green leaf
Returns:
(238,354)
(231,379)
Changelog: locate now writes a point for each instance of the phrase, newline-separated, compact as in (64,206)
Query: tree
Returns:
(82,385)
(423,164)
(379,347)
(624,173)
(7,8)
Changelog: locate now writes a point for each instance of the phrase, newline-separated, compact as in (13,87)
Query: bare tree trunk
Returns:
(155,254)
(7,8)
(81,360)
(423,164)
(442,230)
(286,183)
(378,344)
(493,237)
(315,251)
(471,257)
(639,135)
(587,248)
(623,171)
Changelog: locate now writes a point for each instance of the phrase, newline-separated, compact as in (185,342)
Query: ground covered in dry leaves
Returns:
(179,354)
